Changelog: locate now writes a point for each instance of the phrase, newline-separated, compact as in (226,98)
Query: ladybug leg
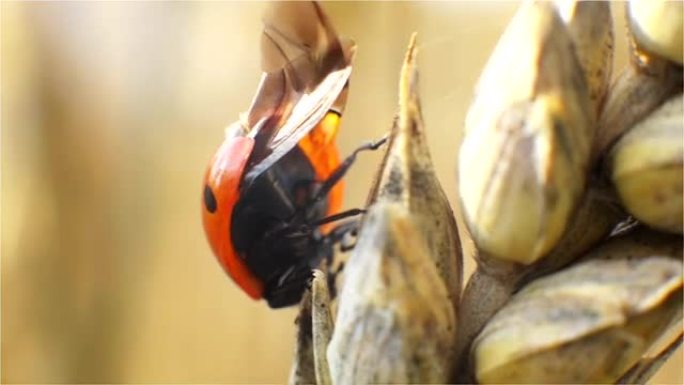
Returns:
(339,233)
(342,169)
(288,288)
(338,216)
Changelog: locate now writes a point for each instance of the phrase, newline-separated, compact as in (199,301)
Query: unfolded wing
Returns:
(306,71)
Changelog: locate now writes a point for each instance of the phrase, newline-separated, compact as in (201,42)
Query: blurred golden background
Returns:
(110,112)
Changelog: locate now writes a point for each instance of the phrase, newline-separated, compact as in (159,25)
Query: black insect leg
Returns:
(342,169)
(338,216)
(299,236)
(287,289)
(338,233)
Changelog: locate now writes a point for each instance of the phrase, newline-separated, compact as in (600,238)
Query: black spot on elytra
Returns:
(209,199)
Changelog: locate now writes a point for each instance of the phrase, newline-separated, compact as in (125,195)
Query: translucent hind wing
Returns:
(306,70)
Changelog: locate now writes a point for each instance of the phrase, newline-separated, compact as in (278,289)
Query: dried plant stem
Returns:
(484,294)
(322,323)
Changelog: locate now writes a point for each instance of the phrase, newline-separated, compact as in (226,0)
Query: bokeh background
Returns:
(110,112)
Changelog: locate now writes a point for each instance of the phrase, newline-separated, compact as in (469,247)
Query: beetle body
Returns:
(260,202)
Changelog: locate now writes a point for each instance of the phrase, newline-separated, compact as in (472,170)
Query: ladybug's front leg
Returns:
(342,169)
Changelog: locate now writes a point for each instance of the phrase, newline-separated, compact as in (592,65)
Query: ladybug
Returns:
(272,190)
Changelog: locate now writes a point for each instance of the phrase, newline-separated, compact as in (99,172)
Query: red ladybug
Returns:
(273,186)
